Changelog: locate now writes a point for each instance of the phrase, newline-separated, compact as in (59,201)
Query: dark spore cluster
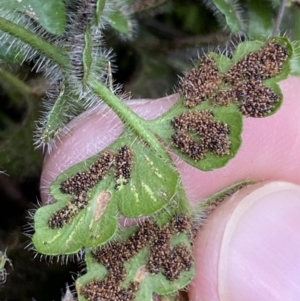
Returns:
(200,82)
(164,258)
(124,159)
(242,84)
(213,134)
(79,184)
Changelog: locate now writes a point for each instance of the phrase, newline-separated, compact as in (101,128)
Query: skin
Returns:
(249,247)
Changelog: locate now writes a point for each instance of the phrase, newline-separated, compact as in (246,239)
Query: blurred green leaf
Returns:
(143,5)
(120,22)
(99,9)
(18,156)
(152,78)
(295,61)
(11,54)
(50,14)
(232,13)
(260,19)
(275,2)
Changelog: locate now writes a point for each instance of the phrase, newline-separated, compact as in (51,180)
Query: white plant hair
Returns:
(78,97)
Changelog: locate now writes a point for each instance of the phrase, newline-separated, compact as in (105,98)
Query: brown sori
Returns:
(213,134)
(259,65)
(79,184)
(82,181)
(163,258)
(200,83)
(256,100)
(67,213)
(124,161)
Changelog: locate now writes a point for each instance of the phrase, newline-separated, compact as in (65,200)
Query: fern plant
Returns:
(135,175)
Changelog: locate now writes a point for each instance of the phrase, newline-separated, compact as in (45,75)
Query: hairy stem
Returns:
(15,82)
(138,124)
(279,18)
(207,205)
(99,10)
(26,36)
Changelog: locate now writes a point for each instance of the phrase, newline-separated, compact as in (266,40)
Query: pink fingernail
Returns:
(260,252)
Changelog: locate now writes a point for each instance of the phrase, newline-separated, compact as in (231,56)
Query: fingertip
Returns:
(249,248)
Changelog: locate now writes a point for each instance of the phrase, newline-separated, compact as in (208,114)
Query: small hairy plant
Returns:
(3,261)
(135,175)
